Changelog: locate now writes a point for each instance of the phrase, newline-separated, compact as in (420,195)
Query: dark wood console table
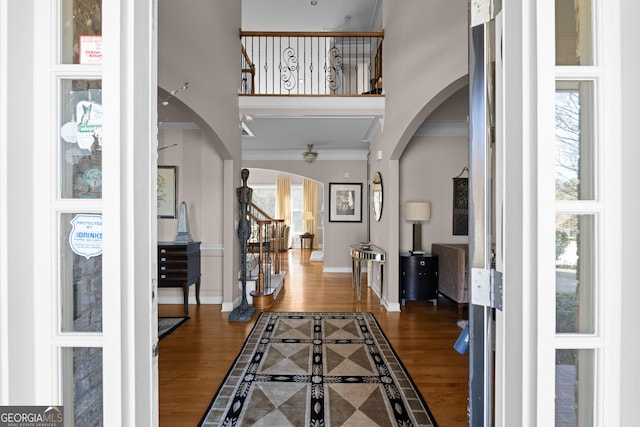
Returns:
(418,277)
(179,267)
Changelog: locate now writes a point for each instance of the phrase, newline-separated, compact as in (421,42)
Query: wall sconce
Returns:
(309,155)
(417,212)
(173,93)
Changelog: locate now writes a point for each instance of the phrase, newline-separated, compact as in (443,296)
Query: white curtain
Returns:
(283,199)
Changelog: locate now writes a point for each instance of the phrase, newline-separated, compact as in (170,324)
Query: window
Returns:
(264,196)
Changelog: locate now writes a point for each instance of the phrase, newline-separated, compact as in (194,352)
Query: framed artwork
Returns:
(167,191)
(460,206)
(345,202)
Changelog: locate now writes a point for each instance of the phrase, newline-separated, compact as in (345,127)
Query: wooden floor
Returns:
(195,358)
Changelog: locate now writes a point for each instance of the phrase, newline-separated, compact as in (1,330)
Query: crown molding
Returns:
(297,155)
(177,125)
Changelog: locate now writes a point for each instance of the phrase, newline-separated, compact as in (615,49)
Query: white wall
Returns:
(424,63)
(199,44)
(427,167)
(199,170)
(426,171)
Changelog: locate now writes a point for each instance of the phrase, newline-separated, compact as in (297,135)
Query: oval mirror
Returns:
(376,196)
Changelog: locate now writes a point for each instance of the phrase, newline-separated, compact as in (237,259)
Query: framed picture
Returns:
(167,191)
(345,202)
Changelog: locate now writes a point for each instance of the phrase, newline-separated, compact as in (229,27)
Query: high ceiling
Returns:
(338,130)
(301,15)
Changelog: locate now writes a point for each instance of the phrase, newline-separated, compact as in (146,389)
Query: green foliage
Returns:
(567,190)
(566,307)
(562,241)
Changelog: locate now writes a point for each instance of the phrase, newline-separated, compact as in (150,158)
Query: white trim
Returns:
(130,88)
(4,246)
(305,105)
(174,296)
(177,125)
(336,270)
(114,222)
(498,152)
(324,155)
(606,238)
(44,236)
(543,173)
(611,261)
(228,306)
(515,392)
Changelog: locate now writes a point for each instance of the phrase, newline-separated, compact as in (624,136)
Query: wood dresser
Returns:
(179,267)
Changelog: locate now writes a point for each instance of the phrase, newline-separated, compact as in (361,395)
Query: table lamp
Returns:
(307,217)
(417,212)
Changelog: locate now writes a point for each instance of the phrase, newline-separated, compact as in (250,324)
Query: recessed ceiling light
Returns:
(313,2)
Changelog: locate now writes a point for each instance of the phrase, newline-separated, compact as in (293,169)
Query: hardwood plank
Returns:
(194,359)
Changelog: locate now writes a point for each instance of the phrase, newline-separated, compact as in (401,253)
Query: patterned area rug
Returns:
(166,325)
(317,369)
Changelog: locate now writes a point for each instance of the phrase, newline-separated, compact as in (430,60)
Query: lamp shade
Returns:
(307,216)
(417,211)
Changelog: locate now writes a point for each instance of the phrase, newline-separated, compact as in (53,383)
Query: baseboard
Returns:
(177,299)
(336,270)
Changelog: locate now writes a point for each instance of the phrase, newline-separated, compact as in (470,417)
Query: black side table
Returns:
(418,277)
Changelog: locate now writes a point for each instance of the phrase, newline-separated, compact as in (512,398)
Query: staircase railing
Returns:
(266,241)
(311,63)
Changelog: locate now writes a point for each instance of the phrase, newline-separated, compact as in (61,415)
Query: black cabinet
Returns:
(418,277)
(179,267)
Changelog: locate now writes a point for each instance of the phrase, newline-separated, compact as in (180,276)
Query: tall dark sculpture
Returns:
(244,312)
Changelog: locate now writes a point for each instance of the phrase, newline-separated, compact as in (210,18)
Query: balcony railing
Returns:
(309,63)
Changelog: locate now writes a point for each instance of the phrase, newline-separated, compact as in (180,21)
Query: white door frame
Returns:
(525,339)
(129,260)
(30,343)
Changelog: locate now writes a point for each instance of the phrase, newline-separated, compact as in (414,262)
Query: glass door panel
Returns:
(574,141)
(82,386)
(81,138)
(574,34)
(575,274)
(81,272)
(81,32)
(575,388)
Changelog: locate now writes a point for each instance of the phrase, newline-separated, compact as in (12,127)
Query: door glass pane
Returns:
(82,386)
(574,33)
(574,141)
(81,272)
(575,372)
(81,38)
(575,274)
(81,138)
